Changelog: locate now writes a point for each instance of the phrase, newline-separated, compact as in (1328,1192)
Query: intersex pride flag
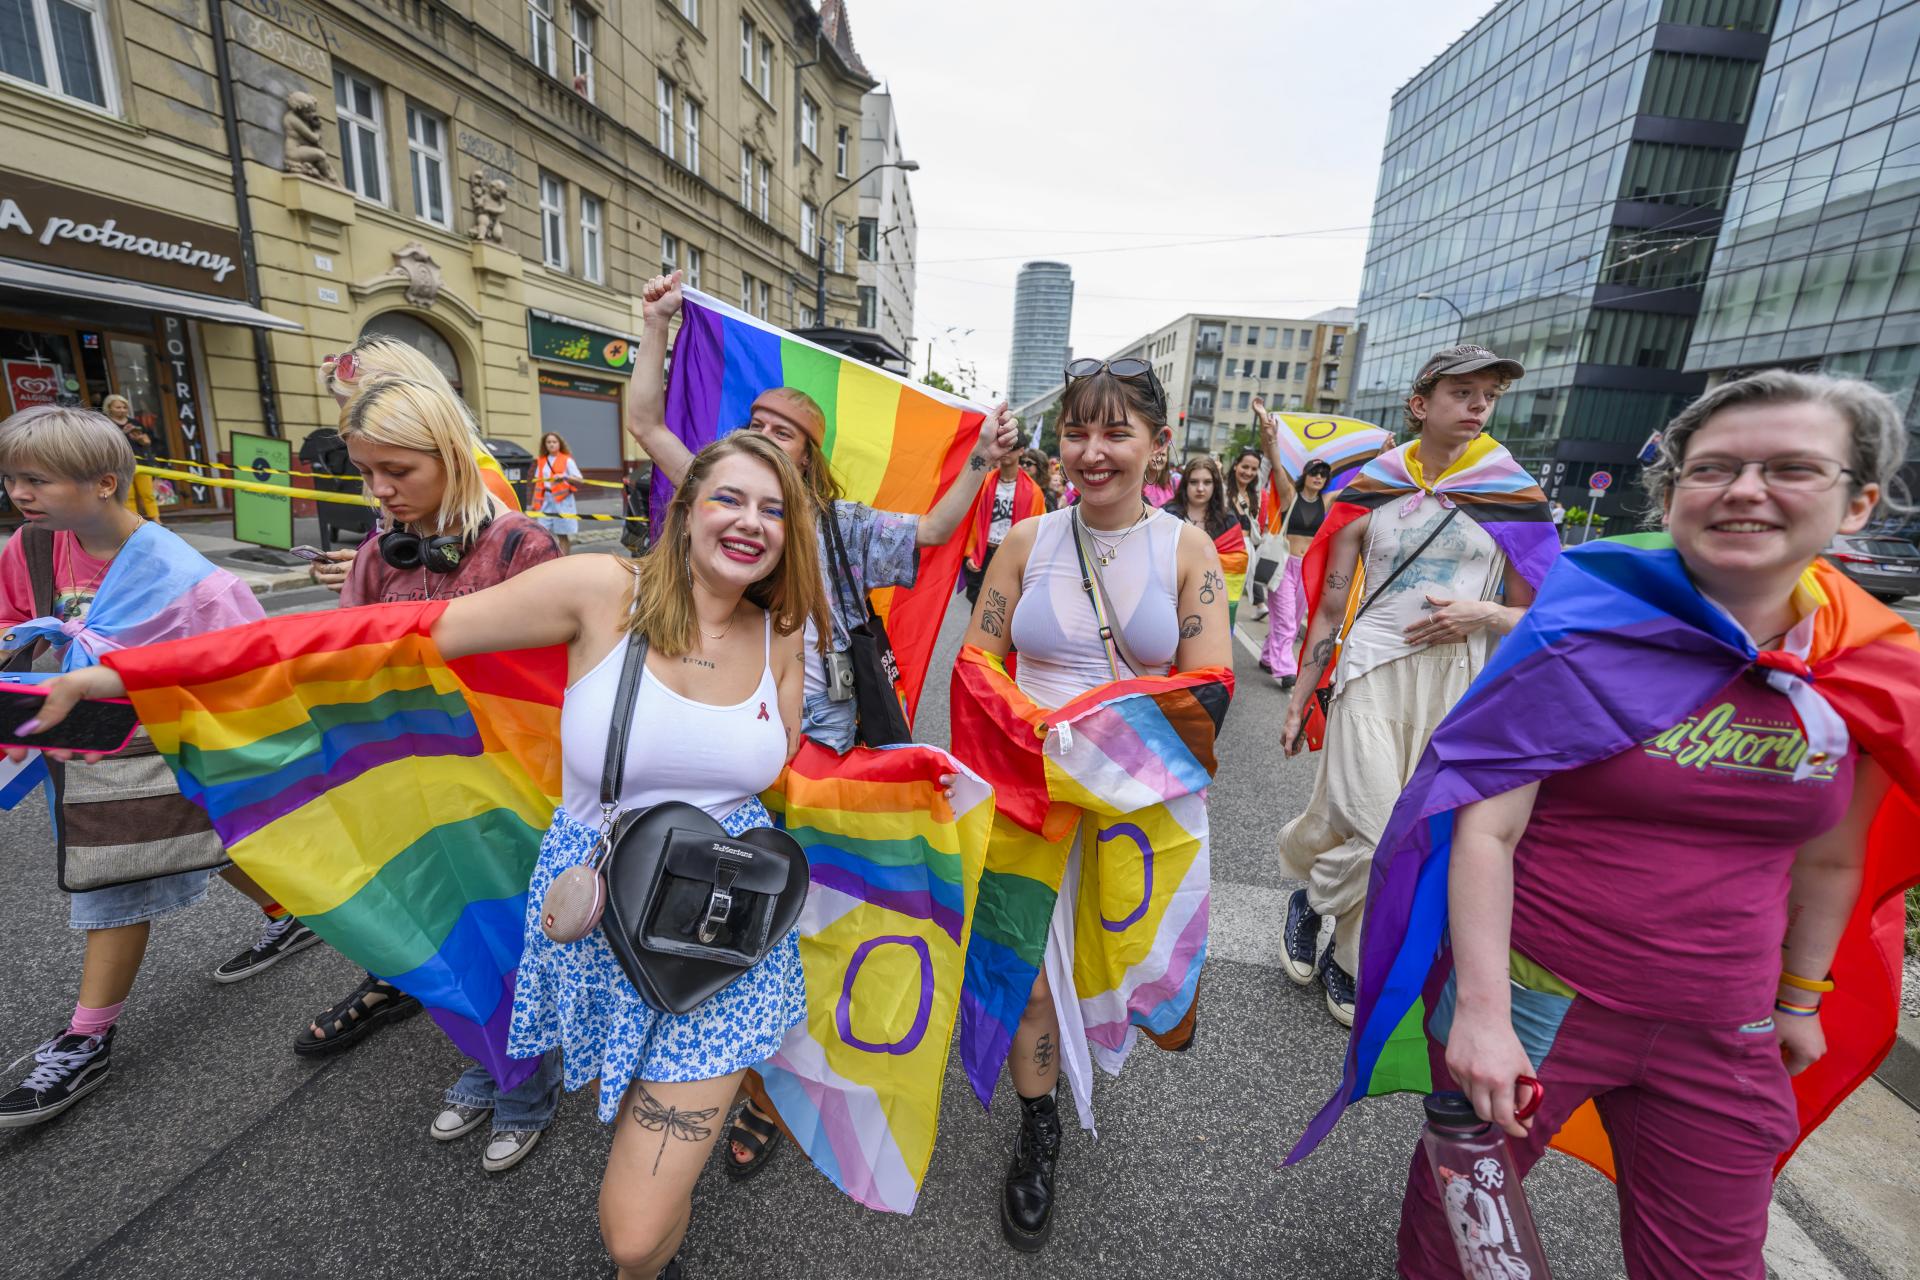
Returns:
(894,444)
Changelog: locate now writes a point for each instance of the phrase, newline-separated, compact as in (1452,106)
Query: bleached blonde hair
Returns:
(404,413)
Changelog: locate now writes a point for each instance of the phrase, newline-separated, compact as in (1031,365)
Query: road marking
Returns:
(1247,643)
(1791,1253)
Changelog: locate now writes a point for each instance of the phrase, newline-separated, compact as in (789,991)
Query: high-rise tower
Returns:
(1042,319)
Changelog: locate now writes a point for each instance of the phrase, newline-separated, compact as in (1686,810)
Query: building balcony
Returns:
(1209,342)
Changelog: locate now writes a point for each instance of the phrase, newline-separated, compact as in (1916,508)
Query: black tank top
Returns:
(1305,515)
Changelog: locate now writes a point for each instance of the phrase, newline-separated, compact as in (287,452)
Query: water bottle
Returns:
(1480,1195)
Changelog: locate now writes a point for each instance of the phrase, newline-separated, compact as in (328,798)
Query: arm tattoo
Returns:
(993,618)
(1210,586)
(1043,1052)
(976,463)
(1322,653)
(670,1122)
(1191,626)
(1339,581)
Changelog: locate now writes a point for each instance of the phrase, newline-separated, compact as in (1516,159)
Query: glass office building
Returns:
(1818,265)
(1552,187)
(1042,323)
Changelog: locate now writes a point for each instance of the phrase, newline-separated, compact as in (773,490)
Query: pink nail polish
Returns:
(28,728)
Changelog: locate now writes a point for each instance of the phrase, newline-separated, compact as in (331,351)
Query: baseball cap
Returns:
(1466,358)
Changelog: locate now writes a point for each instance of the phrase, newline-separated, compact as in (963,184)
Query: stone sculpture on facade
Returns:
(305,150)
(414,263)
(487,200)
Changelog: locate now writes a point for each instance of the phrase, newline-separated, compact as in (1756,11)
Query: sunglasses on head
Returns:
(346,366)
(1127,369)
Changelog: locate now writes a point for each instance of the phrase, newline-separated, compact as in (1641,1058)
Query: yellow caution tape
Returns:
(555,515)
(251,486)
(328,475)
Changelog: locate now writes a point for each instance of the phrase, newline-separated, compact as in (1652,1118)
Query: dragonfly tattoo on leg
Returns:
(671,1122)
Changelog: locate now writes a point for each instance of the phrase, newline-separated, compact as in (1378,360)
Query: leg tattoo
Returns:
(670,1122)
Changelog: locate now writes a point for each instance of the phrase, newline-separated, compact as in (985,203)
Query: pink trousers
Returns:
(1286,610)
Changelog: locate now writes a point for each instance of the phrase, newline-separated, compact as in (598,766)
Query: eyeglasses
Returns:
(346,366)
(1127,369)
(1796,475)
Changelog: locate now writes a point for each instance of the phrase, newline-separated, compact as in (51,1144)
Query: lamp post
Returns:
(1434,297)
(820,233)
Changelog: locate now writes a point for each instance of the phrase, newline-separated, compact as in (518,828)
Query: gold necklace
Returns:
(1103,553)
(723,631)
(83,588)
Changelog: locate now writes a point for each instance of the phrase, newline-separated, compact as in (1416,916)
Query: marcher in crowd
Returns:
(556,488)
(1035,464)
(66,470)
(441,536)
(1200,499)
(1164,581)
(1161,479)
(1243,502)
(1685,1028)
(1440,591)
(1559,515)
(146,453)
(1011,498)
(1303,508)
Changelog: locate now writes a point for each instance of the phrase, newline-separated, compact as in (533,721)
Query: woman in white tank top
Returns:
(723,597)
(1169,606)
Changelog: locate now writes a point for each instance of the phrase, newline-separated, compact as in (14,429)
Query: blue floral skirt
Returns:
(575,995)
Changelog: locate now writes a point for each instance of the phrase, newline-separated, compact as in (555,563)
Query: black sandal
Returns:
(353,1019)
(760,1142)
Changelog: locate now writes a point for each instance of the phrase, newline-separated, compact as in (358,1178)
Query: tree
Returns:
(938,381)
(1243,437)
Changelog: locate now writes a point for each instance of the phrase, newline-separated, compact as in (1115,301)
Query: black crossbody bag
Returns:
(876,672)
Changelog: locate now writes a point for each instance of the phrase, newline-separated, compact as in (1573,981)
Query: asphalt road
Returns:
(215,1152)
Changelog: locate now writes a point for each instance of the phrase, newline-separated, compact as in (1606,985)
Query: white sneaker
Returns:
(508,1148)
(457,1120)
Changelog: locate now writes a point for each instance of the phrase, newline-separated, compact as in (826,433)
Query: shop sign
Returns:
(551,337)
(567,385)
(79,230)
(30,382)
(178,360)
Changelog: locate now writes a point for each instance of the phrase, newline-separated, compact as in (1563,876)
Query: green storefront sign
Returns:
(552,337)
(261,518)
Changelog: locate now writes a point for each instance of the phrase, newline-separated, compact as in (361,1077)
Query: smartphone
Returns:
(314,554)
(97,725)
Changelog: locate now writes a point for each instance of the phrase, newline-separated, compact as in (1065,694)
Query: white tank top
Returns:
(1061,653)
(712,757)
(1463,563)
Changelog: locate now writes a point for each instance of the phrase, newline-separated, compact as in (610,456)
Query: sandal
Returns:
(758,1134)
(354,1018)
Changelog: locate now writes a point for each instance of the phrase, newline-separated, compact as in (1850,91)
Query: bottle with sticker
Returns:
(1480,1194)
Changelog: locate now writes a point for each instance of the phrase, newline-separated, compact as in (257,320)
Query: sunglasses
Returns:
(346,366)
(1127,369)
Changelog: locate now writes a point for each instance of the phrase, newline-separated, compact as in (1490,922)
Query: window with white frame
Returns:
(765,168)
(807,315)
(669,254)
(869,307)
(841,146)
(690,129)
(663,104)
(59,45)
(839,246)
(427,153)
(690,10)
(746,177)
(541,43)
(585,26)
(695,259)
(763,298)
(764,80)
(747,35)
(363,136)
(809,124)
(593,253)
(553,222)
(807,219)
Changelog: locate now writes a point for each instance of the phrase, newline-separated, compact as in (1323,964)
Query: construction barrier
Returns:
(252,486)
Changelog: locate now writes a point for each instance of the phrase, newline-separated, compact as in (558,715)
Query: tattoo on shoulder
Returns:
(1191,626)
(1211,585)
(993,613)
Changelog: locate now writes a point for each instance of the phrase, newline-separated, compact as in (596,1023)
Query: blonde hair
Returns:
(791,591)
(72,443)
(107,403)
(392,358)
(407,414)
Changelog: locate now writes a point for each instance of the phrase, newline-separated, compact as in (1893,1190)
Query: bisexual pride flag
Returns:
(1619,647)
(894,444)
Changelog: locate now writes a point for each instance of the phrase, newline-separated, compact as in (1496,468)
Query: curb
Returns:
(1900,1073)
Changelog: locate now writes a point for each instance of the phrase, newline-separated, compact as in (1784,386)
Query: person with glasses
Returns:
(1672,958)
(1168,598)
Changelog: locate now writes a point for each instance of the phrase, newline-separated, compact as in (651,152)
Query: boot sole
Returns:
(264,965)
(1025,1241)
(27,1119)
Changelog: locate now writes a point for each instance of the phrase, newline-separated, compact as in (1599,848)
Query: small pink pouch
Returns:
(576,898)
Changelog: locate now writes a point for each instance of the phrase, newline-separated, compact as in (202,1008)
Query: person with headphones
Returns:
(440,535)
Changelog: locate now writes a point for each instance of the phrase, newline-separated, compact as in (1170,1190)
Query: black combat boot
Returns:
(1026,1203)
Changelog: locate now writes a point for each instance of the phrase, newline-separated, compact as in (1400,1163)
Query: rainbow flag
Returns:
(1232,546)
(1344,444)
(1126,767)
(895,867)
(391,799)
(894,444)
(1623,646)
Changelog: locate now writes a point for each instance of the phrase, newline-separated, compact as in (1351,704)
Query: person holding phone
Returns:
(556,488)
(84,589)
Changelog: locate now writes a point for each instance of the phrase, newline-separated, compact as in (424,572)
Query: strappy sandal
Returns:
(353,1019)
(760,1142)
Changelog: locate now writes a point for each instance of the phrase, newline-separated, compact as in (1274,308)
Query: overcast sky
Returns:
(1119,136)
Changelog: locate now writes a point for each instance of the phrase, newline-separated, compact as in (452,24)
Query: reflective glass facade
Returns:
(1042,322)
(1819,262)
(1558,175)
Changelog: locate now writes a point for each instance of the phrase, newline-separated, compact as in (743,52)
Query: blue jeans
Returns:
(530,1106)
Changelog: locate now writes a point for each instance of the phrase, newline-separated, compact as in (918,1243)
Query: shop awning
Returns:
(77,284)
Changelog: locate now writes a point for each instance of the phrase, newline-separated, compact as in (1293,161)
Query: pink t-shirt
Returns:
(509,544)
(76,578)
(1655,882)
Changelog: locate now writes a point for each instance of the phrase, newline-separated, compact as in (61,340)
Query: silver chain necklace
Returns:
(1104,552)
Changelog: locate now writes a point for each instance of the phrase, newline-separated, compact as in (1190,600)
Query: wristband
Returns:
(1795,1010)
(1805,984)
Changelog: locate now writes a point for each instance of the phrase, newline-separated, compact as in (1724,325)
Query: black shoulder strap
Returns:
(840,567)
(620,723)
(38,546)
(1402,566)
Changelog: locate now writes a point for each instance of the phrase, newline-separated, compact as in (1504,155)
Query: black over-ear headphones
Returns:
(402,548)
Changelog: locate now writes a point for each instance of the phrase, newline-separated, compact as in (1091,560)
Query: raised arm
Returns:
(1342,557)
(647,397)
(1270,447)
(992,625)
(999,436)
(1206,635)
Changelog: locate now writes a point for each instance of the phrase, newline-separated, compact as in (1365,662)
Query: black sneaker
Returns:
(1300,941)
(1339,985)
(66,1069)
(281,938)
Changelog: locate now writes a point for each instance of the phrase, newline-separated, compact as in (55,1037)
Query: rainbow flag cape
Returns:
(1623,646)
(1232,546)
(1133,758)
(391,799)
(1028,502)
(883,936)
(894,444)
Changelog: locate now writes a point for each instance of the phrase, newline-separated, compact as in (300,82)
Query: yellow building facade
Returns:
(491,181)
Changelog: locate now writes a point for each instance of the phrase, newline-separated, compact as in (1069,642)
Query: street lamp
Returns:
(1434,297)
(820,233)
